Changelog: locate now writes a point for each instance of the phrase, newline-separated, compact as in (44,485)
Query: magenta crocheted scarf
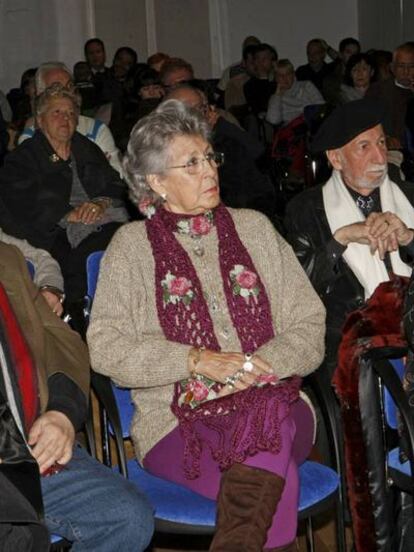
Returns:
(251,418)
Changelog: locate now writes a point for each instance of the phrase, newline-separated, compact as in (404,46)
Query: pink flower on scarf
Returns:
(146,207)
(200,225)
(198,389)
(179,286)
(246,279)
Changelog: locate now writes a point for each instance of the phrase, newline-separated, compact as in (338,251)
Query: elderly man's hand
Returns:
(51,438)
(358,232)
(53,301)
(388,226)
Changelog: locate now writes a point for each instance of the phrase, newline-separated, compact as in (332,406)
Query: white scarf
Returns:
(341,210)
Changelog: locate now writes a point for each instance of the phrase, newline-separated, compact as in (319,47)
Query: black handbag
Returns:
(21,505)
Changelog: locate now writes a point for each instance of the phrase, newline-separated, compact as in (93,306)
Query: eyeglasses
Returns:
(196,164)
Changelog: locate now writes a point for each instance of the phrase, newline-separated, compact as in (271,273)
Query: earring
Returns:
(163,196)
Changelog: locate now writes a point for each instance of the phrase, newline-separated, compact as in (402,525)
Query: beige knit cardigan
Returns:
(127,343)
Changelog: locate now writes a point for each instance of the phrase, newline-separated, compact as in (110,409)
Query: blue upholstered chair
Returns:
(178,509)
(384,407)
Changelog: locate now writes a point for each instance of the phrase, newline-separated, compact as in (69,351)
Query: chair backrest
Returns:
(30,268)
(390,408)
(122,396)
(93,264)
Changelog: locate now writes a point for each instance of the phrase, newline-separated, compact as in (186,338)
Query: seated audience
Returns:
(396,92)
(174,71)
(331,88)
(201,346)
(241,182)
(261,86)
(5,108)
(291,96)
(83,79)
(238,68)
(359,73)
(44,392)
(95,56)
(124,114)
(157,60)
(56,72)
(316,69)
(60,191)
(234,98)
(382,60)
(119,83)
(20,99)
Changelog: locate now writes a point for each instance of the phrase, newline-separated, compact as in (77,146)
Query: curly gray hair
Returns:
(148,147)
(55,91)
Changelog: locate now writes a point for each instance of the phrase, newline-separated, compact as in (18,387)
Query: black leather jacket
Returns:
(321,256)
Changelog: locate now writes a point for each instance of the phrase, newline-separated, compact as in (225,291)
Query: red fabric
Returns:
(289,142)
(21,357)
(378,324)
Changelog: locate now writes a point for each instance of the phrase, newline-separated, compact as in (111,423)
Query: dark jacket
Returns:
(395,100)
(35,186)
(57,352)
(242,185)
(320,255)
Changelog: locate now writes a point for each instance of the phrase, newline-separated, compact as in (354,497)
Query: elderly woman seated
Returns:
(205,313)
(291,96)
(58,190)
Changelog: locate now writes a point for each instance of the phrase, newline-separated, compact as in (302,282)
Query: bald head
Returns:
(189,96)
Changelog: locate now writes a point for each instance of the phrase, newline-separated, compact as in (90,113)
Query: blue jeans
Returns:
(95,508)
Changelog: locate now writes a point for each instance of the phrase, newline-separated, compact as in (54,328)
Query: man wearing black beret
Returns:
(353,232)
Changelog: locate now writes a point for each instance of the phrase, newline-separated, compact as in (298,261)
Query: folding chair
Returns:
(384,406)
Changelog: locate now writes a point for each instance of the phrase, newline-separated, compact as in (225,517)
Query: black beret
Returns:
(346,122)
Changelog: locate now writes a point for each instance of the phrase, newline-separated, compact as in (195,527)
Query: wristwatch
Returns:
(56,291)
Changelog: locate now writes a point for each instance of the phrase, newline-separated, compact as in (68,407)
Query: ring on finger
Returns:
(239,374)
(248,364)
(230,380)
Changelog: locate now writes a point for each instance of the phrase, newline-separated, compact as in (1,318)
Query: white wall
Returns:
(289,24)
(182,30)
(34,31)
(121,23)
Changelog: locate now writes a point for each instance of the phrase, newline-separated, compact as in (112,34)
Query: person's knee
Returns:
(136,517)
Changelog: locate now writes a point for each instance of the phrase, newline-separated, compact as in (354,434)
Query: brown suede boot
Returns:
(247,500)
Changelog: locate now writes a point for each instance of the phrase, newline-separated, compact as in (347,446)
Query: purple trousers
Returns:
(165,460)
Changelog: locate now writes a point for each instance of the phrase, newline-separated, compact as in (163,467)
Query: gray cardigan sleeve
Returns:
(121,344)
(47,270)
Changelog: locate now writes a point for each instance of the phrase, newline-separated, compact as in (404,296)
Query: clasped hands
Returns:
(383,232)
(88,212)
(219,366)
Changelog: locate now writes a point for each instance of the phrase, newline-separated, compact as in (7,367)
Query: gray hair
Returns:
(43,69)
(148,146)
(55,91)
